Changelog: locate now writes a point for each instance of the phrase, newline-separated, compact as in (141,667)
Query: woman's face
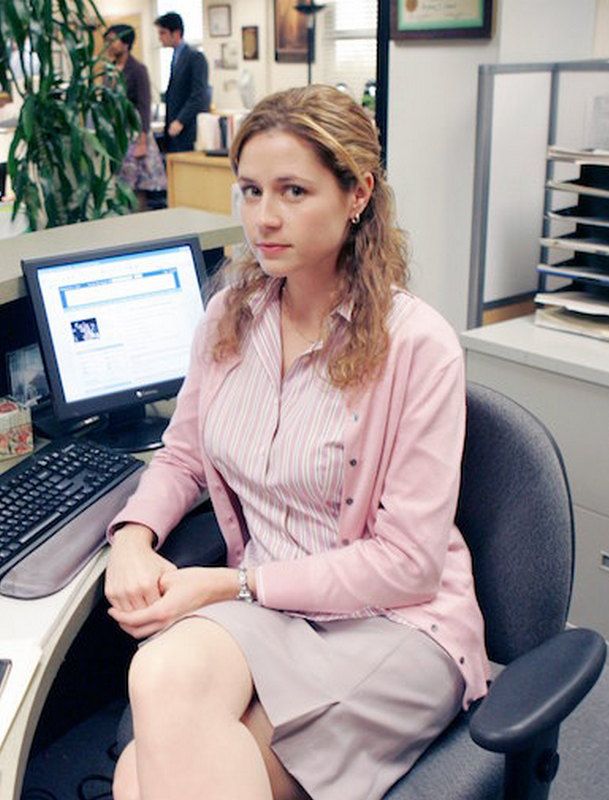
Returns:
(116,47)
(295,214)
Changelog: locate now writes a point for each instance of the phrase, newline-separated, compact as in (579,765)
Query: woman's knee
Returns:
(163,665)
(192,660)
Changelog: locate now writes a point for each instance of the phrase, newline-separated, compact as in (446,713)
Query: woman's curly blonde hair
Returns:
(373,259)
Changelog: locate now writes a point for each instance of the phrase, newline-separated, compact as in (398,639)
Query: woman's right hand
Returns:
(134,569)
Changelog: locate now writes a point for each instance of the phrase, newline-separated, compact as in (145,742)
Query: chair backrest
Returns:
(515,513)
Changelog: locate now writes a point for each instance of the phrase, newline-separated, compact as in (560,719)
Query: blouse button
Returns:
(462,660)
(230,520)
(353,462)
(434,627)
(349,501)
(344,542)
(355,417)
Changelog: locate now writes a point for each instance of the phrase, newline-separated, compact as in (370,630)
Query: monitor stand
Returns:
(129,430)
(48,426)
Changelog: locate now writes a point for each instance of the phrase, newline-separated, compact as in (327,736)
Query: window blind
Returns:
(349,44)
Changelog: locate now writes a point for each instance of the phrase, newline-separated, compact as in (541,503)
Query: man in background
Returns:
(187,92)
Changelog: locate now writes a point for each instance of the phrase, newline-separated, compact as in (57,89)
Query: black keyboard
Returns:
(48,489)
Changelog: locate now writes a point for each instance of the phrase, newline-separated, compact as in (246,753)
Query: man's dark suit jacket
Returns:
(185,97)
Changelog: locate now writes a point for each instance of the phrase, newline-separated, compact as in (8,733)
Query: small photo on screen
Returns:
(26,375)
(85,329)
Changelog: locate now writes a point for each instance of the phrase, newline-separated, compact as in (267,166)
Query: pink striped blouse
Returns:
(278,443)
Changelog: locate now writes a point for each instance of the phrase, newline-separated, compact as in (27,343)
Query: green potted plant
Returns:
(73,128)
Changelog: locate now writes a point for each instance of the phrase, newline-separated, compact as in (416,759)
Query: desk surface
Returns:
(521,341)
(50,625)
(37,634)
(213,230)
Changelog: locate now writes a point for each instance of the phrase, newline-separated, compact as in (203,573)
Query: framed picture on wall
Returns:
(229,55)
(249,42)
(219,21)
(441,19)
(290,33)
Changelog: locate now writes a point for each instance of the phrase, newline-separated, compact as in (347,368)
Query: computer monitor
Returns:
(115,326)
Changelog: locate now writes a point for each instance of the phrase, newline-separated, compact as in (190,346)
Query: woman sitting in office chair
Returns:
(324,412)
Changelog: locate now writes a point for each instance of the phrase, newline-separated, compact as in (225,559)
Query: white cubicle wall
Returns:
(522,108)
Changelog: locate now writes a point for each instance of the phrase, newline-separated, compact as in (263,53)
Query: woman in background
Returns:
(143,168)
(324,413)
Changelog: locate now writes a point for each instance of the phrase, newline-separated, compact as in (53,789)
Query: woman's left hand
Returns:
(182,591)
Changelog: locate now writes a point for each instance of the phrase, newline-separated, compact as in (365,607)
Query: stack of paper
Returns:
(578,155)
(585,313)
(217,131)
(208,132)
(578,258)
(562,320)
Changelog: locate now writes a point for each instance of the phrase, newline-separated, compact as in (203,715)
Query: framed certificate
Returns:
(219,20)
(441,19)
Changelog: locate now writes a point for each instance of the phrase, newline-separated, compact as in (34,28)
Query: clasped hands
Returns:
(147,592)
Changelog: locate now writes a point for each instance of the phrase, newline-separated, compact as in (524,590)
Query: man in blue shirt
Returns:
(186,93)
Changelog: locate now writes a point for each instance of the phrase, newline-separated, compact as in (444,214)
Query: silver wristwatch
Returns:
(244,592)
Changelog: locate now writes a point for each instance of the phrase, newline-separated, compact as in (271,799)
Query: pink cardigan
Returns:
(397,544)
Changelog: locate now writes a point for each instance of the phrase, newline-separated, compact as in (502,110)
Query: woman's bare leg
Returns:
(189,689)
(284,787)
(283,784)
(125,785)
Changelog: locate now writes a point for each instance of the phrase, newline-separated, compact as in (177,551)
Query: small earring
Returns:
(355,218)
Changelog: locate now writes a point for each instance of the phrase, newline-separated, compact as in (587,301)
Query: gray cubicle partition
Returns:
(522,109)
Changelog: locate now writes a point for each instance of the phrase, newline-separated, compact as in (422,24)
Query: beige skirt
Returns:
(353,703)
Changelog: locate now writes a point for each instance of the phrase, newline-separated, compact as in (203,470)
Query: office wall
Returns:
(601,33)
(431,132)
(268,75)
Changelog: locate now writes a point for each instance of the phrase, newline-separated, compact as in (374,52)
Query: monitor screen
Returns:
(116,326)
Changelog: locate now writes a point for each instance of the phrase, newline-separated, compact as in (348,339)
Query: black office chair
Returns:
(515,513)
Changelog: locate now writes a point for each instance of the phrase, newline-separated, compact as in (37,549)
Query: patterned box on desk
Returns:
(16,437)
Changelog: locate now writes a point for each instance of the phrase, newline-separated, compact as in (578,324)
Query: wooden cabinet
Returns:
(199,181)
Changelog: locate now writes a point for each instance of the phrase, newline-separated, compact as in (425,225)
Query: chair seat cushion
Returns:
(454,768)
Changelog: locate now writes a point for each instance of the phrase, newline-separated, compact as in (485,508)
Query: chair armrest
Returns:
(196,541)
(537,691)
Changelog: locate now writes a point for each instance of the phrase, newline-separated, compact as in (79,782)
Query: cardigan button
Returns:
(355,417)
(349,501)
(345,542)
(353,462)
(434,628)
(462,660)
